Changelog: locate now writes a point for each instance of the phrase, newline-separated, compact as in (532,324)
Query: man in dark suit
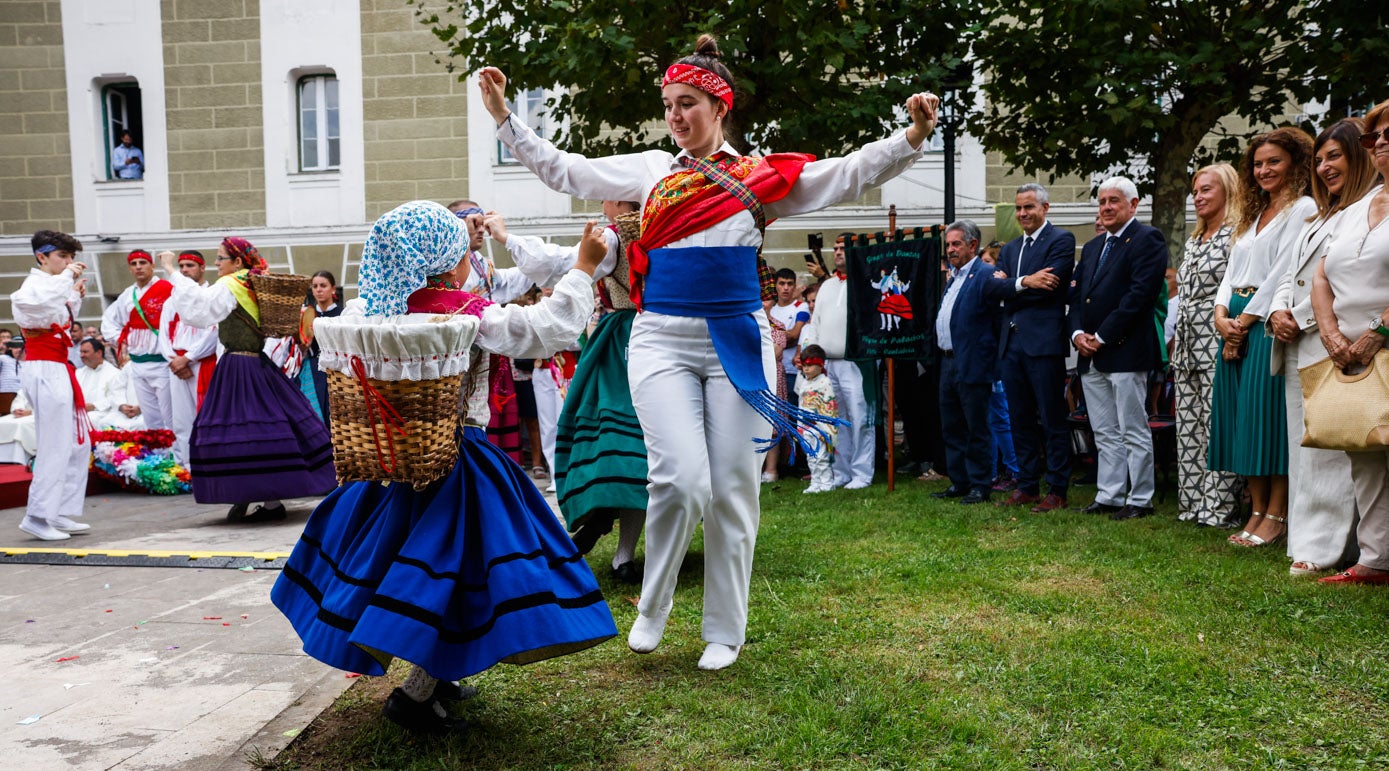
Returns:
(968,341)
(1033,343)
(1116,286)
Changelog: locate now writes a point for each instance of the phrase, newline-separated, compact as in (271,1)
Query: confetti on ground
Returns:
(351,675)
(171,648)
(29,720)
(68,658)
(28,620)
(224,623)
(70,686)
(243,615)
(212,618)
(105,586)
(291,733)
(108,610)
(247,569)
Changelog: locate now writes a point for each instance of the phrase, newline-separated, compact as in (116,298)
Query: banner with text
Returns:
(894,293)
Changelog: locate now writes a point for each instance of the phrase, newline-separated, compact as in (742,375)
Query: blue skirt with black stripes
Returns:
(472,571)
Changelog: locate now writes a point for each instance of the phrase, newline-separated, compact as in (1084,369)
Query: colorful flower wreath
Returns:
(140,461)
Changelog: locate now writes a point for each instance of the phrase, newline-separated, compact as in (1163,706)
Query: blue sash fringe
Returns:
(719,284)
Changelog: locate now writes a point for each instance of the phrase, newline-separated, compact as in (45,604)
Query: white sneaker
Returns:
(69,525)
(647,632)
(718,656)
(857,484)
(814,489)
(768,478)
(551,488)
(41,530)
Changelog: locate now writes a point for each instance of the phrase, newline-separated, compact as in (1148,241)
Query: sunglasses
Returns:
(1370,139)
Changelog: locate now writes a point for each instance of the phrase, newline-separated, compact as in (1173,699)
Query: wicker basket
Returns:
(281,298)
(367,448)
(628,227)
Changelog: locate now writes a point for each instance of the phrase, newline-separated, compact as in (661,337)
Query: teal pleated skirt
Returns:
(1249,415)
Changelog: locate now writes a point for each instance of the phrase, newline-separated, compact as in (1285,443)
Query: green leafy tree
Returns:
(1085,87)
(818,77)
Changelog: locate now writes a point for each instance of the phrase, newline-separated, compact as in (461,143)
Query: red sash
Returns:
(686,202)
(53,344)
(147,311)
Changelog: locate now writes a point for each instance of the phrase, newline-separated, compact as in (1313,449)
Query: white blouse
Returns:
(1260,258)
(1357,267)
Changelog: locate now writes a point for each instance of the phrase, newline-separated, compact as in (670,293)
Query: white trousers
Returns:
(548,404)
(151,379)
(60,465)
(183,409)
(855,444)
(1123,441)
(703,466)
(821,467)
(1321,497)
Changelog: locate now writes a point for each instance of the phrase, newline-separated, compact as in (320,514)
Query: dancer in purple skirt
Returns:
(256,438)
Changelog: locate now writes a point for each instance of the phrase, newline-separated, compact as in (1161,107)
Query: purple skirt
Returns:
(256,438)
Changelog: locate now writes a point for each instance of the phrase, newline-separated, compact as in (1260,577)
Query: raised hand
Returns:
(169,260)
(922,109)
(492,81)
(592,248)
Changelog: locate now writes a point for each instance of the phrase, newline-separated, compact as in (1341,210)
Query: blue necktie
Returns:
(1104,254)
(1022,256)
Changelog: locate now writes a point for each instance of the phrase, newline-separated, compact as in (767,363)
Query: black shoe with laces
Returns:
(420,717)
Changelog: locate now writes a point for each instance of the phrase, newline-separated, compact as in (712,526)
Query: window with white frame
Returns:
(319,143)
(529,108)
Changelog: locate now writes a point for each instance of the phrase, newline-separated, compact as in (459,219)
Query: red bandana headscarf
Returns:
(193,256)
(240,248)
(702,79)
(138,254)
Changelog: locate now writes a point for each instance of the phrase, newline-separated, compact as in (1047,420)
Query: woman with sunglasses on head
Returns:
(701,362)
(255,438)
(1320,523)
(1351,285)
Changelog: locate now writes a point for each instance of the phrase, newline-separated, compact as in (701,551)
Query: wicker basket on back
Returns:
(281,298)
(393,391)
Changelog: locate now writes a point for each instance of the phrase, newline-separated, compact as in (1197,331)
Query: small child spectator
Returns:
(817,395)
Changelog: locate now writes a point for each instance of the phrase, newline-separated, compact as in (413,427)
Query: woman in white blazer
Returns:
(1321,526)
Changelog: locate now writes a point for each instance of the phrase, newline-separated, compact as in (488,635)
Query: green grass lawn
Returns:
(891,630)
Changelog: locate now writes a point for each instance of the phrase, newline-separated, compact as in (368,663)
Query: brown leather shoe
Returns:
(1018,498)
(1050,503)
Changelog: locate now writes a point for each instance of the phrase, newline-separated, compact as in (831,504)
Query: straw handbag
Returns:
(393,392)
(281,298)
(1346,412)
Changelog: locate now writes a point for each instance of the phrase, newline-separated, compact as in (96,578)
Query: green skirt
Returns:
(600,451)
(1249,414)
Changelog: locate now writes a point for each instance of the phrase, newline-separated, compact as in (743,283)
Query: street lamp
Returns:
(951,118)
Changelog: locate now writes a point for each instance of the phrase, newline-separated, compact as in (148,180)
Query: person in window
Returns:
(127,162)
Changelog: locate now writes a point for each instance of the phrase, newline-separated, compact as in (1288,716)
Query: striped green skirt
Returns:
(600,451)
(1249,415)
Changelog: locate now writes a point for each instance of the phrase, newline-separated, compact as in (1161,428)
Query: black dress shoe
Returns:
(594,527)
(628,573)
(420,717)
(1099,508)
(975,496)
(264,514)
(237,512)
(447,690)
(950,492)
(1131,512)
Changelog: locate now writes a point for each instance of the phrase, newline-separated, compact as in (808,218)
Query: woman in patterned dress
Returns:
(1205,497)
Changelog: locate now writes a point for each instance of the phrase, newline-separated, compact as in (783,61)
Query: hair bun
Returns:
(707,45)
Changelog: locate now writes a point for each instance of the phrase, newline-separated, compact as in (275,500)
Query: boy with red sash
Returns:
(192,355)
(132,320)
(44,307)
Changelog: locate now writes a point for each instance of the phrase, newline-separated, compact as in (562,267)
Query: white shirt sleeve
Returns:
(43,300)
(835,180)
(614,178)
(202,306)
(539,330)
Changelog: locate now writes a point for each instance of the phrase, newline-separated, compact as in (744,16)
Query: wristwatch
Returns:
(1377,325)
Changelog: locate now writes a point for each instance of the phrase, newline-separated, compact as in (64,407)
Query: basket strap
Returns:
(391,421)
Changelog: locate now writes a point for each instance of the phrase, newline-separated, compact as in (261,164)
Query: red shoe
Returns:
(1018,498)
(1050,503)
(1351,577)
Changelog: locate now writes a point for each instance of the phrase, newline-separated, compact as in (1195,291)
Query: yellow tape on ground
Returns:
(192,555)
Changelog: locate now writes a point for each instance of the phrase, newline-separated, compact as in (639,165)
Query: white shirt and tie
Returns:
(947,305)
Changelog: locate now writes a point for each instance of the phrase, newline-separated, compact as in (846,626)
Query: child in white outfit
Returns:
(817,395)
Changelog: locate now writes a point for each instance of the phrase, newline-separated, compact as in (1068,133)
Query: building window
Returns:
(528,108)
(123,131)
(319,145)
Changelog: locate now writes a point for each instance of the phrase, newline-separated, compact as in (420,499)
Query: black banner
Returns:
(894,292)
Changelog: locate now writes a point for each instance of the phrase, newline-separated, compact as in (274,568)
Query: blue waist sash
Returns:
(720,285)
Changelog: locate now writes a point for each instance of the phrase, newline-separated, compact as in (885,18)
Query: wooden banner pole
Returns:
(891,427)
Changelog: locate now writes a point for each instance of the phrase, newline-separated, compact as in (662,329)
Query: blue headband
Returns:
(46,248)
(462,213)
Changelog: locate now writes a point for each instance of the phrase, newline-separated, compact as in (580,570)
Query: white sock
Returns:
(629,527)
(419,686)
(718,656)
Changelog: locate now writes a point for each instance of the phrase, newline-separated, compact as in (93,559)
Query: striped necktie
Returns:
(1104,253)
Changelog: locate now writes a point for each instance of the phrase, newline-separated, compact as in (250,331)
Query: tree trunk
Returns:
(1172,169)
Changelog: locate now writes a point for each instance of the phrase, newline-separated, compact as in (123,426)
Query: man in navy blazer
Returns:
(1033,345)
(1116,287)
(968,341)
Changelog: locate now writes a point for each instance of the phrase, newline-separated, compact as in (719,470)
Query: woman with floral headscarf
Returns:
(474,569)
(255,438)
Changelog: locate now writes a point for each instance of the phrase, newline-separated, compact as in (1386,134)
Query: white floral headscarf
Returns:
(408,244)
